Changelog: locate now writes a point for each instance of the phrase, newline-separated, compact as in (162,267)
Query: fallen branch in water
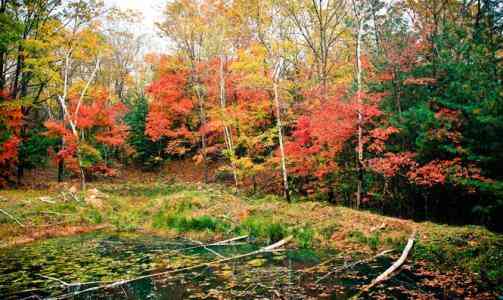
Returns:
(67,284)
(12,217)
(269,248)
(206,247)
(220,243)
(326,262)
(352,265)
(199,244)
(64,283)
(389,272)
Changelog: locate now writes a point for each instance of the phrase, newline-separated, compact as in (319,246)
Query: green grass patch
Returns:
(373,241)
(263,227)
(182,223)
(94,216)
(304,237)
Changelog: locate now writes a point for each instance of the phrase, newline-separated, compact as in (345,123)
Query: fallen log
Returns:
(269,248)
(390,271)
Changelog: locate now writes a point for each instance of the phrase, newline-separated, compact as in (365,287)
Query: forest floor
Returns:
(461,260)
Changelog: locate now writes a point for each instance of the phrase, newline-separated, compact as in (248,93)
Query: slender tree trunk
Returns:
(2,74)
(227,130)
(202,116)
(61,162)
(73,127)
(397,91)
(61,166)
(360,116)
(23,92)
(3,8)
(20,160)
(281,147)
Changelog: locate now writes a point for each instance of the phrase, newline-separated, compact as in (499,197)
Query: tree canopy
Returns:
(391,106)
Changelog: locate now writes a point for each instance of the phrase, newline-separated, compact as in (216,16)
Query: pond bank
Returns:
(211,213)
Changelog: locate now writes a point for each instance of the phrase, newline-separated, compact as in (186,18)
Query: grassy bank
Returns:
(213,213)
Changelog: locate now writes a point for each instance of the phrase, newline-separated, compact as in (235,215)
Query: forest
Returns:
(274,149)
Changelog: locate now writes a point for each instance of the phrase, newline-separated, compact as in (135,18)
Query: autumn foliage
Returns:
(385,105)
(11,119)
(99,126)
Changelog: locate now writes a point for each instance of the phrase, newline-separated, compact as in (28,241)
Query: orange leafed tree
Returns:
(171,109)
(11,120)
(99,125)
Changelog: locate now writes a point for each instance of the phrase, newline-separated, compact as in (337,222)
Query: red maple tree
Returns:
(98,121)
(11,119)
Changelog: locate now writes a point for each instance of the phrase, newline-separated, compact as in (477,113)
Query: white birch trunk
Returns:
(227,130)
(360,116)
(66,114)
(279,125)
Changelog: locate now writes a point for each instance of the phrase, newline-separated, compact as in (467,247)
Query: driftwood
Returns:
(269,248)
(12,217)
(390,271)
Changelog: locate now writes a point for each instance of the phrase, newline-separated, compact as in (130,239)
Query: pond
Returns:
(64,266)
